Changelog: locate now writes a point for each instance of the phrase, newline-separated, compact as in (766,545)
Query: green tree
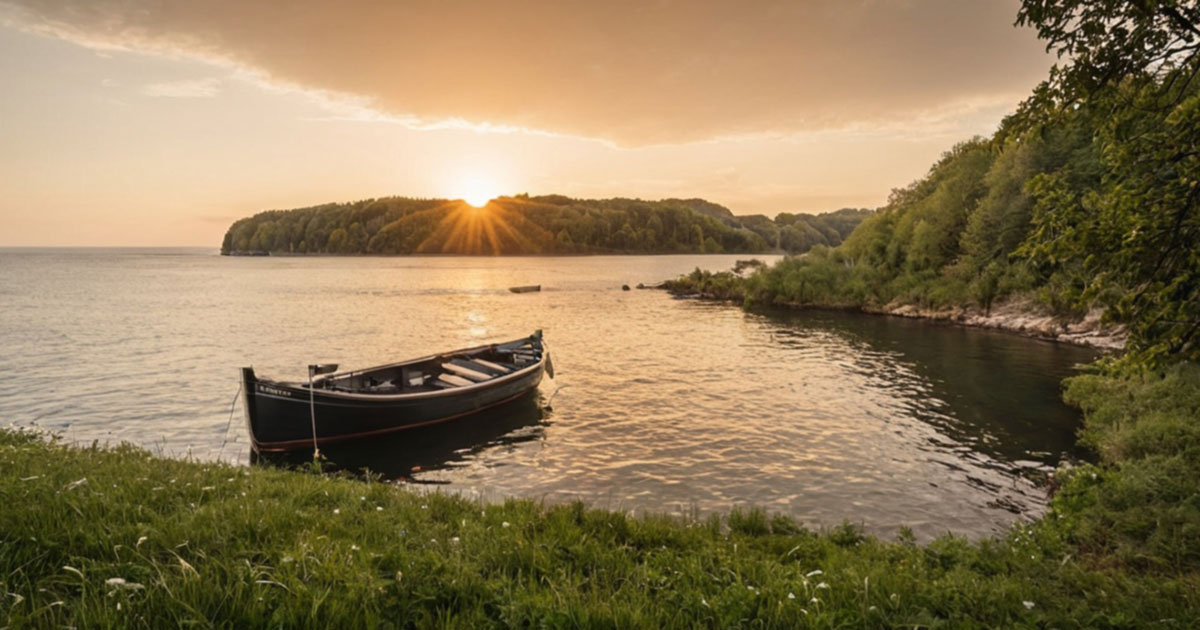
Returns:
(1134,67)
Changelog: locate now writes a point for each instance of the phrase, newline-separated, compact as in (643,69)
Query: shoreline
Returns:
(117,537)
(1015,316)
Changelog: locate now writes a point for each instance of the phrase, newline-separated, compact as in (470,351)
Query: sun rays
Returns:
(492,228)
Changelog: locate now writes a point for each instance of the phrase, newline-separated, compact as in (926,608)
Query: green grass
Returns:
(1141,508)
(210,545)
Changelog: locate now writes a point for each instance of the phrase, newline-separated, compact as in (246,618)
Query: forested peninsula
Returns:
(521,224)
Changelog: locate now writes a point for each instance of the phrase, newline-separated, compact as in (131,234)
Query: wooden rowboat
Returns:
(286,416)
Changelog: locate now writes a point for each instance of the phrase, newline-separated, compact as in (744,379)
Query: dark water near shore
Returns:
(660,404)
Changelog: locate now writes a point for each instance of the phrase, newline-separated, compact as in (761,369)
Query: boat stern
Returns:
(249,381)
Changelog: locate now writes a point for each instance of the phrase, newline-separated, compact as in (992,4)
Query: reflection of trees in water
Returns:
(439,446)
(995,391)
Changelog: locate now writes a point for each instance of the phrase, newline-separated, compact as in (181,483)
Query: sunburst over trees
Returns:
(550,224)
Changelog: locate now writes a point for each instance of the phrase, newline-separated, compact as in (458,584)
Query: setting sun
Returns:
(477,191)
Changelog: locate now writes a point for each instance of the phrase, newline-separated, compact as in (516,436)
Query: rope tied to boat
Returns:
(229,423)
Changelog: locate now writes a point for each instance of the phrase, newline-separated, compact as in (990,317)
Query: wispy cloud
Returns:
(190,88)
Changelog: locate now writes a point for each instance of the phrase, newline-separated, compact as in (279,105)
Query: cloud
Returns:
(193,88)
(634,72)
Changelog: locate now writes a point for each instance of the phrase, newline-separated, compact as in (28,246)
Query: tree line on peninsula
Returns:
(523,224)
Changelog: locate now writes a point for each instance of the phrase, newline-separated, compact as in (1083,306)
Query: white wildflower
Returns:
(378,508)
(791,595)
(1028,605)
(337,510)
(353,547)
(504,524)
(454,540)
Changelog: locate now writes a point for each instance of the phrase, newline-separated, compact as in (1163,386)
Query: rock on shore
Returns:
(1026,317)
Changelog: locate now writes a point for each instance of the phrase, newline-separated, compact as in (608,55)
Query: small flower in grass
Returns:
(791,595)
(378,508)
(1028,605)
(424,506)
(454,539)
(814,601)
(353,547)
(362,498)
(504,524)
(117,583)
(337,510)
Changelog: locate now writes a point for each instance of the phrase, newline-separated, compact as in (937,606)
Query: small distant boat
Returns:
(529,288)
(338,406)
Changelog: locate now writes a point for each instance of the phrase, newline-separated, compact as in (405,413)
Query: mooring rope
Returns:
(554,393)
(232,406)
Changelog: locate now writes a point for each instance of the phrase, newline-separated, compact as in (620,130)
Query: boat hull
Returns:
(280,418)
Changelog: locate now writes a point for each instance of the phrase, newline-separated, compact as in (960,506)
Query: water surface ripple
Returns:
(660,404)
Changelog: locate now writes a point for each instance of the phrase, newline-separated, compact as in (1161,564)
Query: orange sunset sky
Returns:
(160,122)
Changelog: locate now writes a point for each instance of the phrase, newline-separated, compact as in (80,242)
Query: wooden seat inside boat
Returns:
(451,380)
(465,372)
(503,369)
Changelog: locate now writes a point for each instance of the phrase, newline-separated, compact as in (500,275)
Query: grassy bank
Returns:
(97,537)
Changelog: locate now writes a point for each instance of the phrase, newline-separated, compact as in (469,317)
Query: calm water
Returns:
(660,404)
